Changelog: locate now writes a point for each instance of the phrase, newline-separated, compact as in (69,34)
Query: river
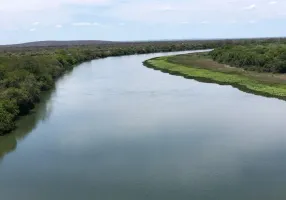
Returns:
(113,129)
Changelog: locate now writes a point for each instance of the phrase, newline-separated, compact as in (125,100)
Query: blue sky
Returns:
(32,20)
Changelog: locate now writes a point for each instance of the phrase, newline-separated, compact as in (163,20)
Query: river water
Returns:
(115,130)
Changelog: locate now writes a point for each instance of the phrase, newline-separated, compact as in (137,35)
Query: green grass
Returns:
(241,81)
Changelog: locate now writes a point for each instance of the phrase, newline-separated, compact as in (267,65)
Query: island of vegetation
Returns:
(254,68)
(27,69)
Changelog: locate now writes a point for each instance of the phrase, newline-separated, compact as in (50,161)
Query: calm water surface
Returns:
(115,130)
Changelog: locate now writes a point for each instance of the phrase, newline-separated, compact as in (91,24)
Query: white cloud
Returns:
(59,26)
(85,24)
(251,7)
(81,24)
(173,11)
(184,22)
(20,13)
(36,23)
(32,29)
(272,2)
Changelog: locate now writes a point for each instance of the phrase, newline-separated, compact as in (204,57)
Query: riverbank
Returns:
(202,68)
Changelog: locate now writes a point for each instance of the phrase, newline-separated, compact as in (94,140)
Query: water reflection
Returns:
(8,143)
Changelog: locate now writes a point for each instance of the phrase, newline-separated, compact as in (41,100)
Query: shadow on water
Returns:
(8,143)
(26,124)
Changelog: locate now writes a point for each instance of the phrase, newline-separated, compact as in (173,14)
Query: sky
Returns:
(125,20)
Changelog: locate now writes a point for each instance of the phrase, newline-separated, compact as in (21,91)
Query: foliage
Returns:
(8,113)
(261,58)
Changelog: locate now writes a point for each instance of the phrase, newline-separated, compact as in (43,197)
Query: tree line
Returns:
(259,57)
(26,71)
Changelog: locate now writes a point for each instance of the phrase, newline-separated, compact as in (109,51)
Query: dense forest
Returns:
(25,71)
(261,58)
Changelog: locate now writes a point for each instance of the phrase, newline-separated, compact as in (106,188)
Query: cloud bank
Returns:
(130,15)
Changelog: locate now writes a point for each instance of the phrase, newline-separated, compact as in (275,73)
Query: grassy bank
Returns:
(202,68)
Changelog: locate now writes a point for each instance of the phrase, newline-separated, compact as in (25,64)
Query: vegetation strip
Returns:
(260,58)
(242,81)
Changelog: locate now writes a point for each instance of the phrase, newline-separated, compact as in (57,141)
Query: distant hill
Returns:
(44,44)
(79,43)
(59,43)
(51,43)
